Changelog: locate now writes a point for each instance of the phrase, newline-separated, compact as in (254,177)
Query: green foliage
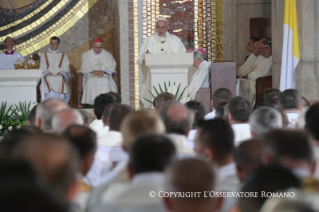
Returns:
(13,117)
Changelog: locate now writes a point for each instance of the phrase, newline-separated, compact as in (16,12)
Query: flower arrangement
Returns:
(14,116)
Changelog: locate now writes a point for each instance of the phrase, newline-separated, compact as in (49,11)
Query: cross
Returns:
(99,64)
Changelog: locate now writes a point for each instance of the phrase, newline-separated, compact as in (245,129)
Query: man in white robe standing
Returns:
(55,68)
(9,56)
(98,65)
(200,79)
(159,42)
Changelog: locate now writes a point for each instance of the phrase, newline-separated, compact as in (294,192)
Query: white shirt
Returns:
(7,60)
(191,138)
(96,125)
(241,132)
(182,147)
(210,115)
(110,143)
(292,119)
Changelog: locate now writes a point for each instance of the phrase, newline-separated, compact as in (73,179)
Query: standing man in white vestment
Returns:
(200,79)
(9,56)
(55,68)
(98,65)
(159,42)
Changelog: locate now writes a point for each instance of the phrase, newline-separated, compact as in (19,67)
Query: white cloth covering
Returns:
(210,115)
(94,86)
(172,42)
(110,143)
(191,138)
(7,60)
(200,79)
(241,132)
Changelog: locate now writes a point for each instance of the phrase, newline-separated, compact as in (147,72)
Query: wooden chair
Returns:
(80,86)
(262,84)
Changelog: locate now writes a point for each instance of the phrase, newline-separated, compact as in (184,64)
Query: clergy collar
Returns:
(97,54)
(54,51)
(9,52)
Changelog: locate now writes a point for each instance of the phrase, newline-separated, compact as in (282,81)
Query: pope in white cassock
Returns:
(159,42)
(9,56)
(98,65)
(55,68)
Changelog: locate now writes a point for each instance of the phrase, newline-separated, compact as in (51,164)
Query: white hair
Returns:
(66,118)
(161,19)
(265,119)
(199,55)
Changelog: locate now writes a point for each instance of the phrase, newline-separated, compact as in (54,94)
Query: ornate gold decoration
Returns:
(59,28)
(20,65)
(219,30)
(37,23)
(136,69)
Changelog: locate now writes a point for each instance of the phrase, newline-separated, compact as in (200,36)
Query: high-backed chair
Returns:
(80,86)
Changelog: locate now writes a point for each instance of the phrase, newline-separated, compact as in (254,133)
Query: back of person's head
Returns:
(46,110)
(54,159)
(117,115)
(85,141)
(66,118)
(198,109)
(177,118)
(162,98)
(21,189)
(221,95)
(199,55)
(31,119)
(117,97)
(139,122)
(290,99)
(271,96)
(263,120)
(304,102)
(107,113)
(215,140)
(100,103)
(289,148)
(312,121)
(239,109)
(190,175)
(220,109)
(151,152)
(14,137)
(247,157)
(85,118)
(266,179)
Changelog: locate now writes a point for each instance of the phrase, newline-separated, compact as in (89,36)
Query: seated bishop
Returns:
(159,42)
(9,56)
(98,65)
(200,79)
(246,88)
(55,68)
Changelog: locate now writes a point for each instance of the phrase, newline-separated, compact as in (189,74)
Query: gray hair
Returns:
(265,119)
(199,55)
(47,109)
(66,118)
(176,117)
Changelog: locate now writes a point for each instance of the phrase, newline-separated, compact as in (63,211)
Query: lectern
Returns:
(19,85)
(171,67)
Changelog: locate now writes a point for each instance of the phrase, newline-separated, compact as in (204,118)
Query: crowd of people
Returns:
(173,158)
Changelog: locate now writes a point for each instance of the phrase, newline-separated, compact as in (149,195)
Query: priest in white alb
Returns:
(98,65)
(9,56)
(247,86)
(55,68)
(159,42)
(200,79)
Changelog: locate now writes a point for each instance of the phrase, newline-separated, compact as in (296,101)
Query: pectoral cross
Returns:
(99,64)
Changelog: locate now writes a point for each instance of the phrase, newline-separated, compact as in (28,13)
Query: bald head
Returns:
(190,175)
(139,122)
(66,118)
(52,157)
(46,110)
(177,118)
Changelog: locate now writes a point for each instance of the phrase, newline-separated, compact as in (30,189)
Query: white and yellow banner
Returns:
(290,47)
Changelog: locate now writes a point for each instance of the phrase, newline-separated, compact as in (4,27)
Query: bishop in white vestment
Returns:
(159,42)
(55,68)
(200,79)
(98,65)
(9,56)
